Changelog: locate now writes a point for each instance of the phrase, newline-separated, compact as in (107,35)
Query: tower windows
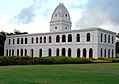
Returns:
(101,37)
(105,38)
(21,40)
(36,39)
(44,39)
(18,41)
(40,39)
(26,41)
(32,40)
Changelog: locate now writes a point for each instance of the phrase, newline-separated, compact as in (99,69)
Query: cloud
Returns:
(98,13)
(28,14)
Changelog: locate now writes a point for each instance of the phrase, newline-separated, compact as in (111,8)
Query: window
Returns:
(112,53)
(13,41)
(25,52)
(40,39)
(63,52)
(55,27)
(9,41)
(105,38)
(65,15)
(90,53)
(112,39)
(44,39)
(26,41)
(7,52)
(21,40)
(84,53)
(17,52)
(69,38)
(12,52)
(32,52)
(18,41)
(88,37)
(21,52)
(49,52)
(101,37)
(57,38)
(36,39)
(40,52)
(105,53)
(78,53)
(65,27)
(50,39)
(32,40)
(108,53)
(109,39)
(69,52)
(57,52)
(101,52)
(63,38)
(78,38)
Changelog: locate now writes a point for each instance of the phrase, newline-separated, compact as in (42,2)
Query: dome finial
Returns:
(60,3)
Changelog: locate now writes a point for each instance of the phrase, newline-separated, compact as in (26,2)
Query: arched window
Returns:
(50,39)
(17,52)
(26,41)
(63,38)
(44,39)
(63,52)
(90,53)
(18,41)
(105,38)
(57,38)
(9,41)
(32,40)
(78,38)
(40,39)
(108,53)
(9,52)
(40,52)
(32,52)
(88,37)
(84,53)
(112,53)
(57,52)
(36,39)
(12,52)
(78,53)
(21,52)
(13,41)
(109,39)
(25,52)
(112,39)
(105,53)
(21,40)
(69,38)
(49,52)
(101,53)
(101,37)
(69,52)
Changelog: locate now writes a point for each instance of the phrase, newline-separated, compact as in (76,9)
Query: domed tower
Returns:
(60,20)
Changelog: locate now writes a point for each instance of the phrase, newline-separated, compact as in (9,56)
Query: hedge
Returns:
(26,60)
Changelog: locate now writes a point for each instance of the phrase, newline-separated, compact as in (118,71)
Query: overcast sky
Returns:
(33,16)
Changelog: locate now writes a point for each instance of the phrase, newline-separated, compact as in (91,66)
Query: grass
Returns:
(107,73)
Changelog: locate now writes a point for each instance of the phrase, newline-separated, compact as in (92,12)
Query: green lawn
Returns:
(61,74)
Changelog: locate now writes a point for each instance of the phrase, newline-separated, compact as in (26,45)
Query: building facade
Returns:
(62,41)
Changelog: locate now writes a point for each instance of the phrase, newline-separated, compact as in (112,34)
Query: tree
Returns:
(117,44)
(2,40)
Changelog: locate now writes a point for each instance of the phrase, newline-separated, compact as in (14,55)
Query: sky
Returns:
(33,16)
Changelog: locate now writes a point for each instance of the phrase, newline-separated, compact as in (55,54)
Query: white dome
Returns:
(60,14)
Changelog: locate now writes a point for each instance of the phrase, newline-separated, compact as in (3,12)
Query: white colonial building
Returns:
(62,41)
